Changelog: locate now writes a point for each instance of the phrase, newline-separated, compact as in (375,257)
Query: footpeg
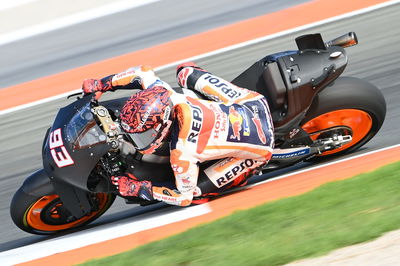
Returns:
(335,142)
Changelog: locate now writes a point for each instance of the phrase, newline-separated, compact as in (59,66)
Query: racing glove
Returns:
(97,85)
(130,187)
(185,76)
(187,64)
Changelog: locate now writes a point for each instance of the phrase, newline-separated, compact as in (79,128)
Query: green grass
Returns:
(334,215)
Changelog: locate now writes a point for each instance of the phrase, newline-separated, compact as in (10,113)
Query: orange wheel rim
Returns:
(360,122)
(33,216)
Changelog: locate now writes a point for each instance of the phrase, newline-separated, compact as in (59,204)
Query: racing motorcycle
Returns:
(316,114)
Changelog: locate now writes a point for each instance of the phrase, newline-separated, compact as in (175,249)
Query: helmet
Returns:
(147,117)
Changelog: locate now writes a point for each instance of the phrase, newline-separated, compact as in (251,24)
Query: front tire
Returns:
(46,215)
(349,103)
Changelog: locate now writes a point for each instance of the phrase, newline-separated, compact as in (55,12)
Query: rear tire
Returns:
(349,102)
(45,215)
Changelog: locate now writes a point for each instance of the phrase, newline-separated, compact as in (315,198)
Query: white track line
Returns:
(226,49)
(97,235)
(74,19)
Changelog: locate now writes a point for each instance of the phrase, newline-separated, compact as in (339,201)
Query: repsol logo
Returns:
(232,173)
(228,90)
(197,121)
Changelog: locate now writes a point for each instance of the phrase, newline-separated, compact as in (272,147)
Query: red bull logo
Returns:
(236,120)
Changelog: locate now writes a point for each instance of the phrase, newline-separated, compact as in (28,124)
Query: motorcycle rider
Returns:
(234,127)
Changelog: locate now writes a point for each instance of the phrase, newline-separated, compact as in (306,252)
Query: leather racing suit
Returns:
(233,126)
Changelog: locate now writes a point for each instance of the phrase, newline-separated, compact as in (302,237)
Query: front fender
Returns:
(75,200)
(38,184)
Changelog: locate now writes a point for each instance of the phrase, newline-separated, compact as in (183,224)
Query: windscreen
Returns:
(82,131)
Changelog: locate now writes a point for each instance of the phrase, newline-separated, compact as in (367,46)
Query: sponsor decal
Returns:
(160,197)
(197,121)
(246,127)
(291,154)
(164,194)
(223,87)
(57,150)
(178,166)
(233,172)
(236,120)
(183,75)
(177,169)
(124,74)
(186,189)
(144,117)
(197,192)
(167,113)
(225,164)
(186,181)
(293,132)
(257,123)
(220,121)
(200,136)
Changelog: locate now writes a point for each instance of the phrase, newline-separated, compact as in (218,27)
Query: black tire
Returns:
(22,205)
(349,93)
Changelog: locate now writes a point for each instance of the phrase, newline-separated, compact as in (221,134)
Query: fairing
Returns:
(74,145)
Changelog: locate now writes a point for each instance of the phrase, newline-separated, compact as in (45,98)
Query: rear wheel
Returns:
(349,107)
(47,215)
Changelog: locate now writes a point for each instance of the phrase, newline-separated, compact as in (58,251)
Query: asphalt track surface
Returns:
(374,59)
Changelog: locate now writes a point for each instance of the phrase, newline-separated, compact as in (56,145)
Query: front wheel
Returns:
(350,106)
(46,214)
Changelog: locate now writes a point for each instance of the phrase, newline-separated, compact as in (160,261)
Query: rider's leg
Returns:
(225,174)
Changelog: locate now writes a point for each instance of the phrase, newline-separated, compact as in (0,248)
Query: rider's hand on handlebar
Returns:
(91,86)
(97,85)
